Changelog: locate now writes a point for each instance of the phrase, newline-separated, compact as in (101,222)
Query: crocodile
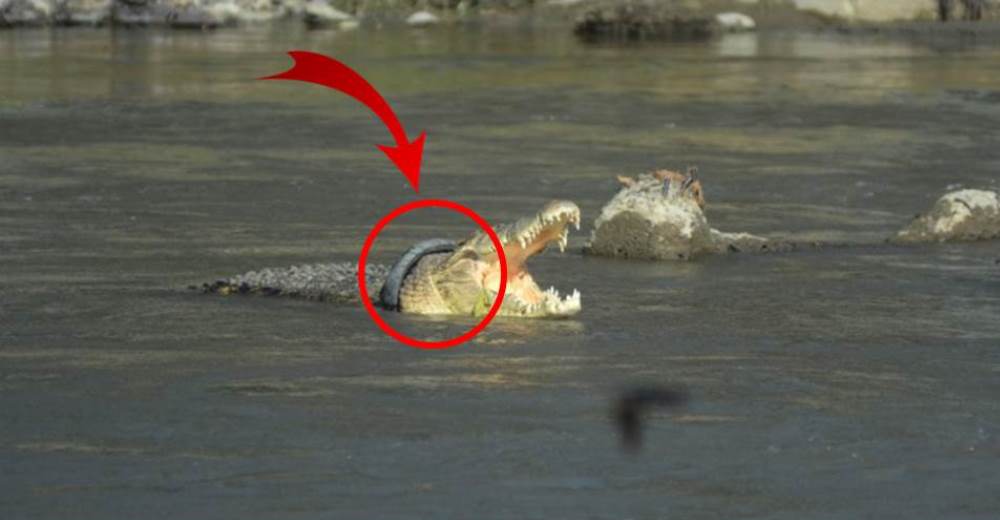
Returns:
(440,277)
(660,216)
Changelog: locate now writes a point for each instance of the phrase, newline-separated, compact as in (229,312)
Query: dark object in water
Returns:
(629,411)
(972,10)
(944,10)
(388,296)
(637,20)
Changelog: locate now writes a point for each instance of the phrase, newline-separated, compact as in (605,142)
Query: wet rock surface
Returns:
(651,217)
(963,215)
(630,233)
(422,19)
(198,13)
(643,20)
(172,13)
(594,20)
(878,11)
(654,217)
(25,12)
(735,22)
(83,12)
(207,14)
(333,282)
(320,14)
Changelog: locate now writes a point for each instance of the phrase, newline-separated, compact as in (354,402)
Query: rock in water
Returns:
(639,224)
(196,14)
(83,12)
(643,20)
(193,15)
(25,12)
(956,216)
(139,12)
(422,19)
(320,14)
(659,216)
(735,22)
(252,10)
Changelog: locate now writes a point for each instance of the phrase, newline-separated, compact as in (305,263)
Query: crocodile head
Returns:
(467,280)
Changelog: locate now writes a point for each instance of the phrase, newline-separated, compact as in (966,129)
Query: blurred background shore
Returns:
(349,14)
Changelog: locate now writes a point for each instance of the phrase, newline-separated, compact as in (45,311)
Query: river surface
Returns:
(841,383)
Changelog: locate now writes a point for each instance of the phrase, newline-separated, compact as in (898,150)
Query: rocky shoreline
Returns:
(591,19)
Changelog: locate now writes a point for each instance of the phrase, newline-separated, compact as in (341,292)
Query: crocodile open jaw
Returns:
(522,240)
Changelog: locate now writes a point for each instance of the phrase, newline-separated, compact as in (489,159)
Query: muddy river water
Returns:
(849,382)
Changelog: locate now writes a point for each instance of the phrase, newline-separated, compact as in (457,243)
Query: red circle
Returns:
(363,260)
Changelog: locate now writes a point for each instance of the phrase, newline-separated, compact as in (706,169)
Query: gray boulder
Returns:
(631,20)
(25,12)
(957,216)
(422,19)
(319,14)
(659,216)
(83,12)
(142,12)
(197,14)
(735,22)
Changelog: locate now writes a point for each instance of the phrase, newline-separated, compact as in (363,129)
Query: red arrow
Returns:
(326,71)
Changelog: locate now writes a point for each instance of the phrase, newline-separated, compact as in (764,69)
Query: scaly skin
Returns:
(467,280)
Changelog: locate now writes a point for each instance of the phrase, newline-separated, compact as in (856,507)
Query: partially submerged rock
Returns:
(422,19)
(888,11)
(25,12)
(256,10)
(83,12)
(643,20)
(642,222)
(957,216)
(659,216)
(196,14)
(140,12)
(320,14)
(735,22)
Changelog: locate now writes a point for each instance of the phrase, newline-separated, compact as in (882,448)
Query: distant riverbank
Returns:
(347,14)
